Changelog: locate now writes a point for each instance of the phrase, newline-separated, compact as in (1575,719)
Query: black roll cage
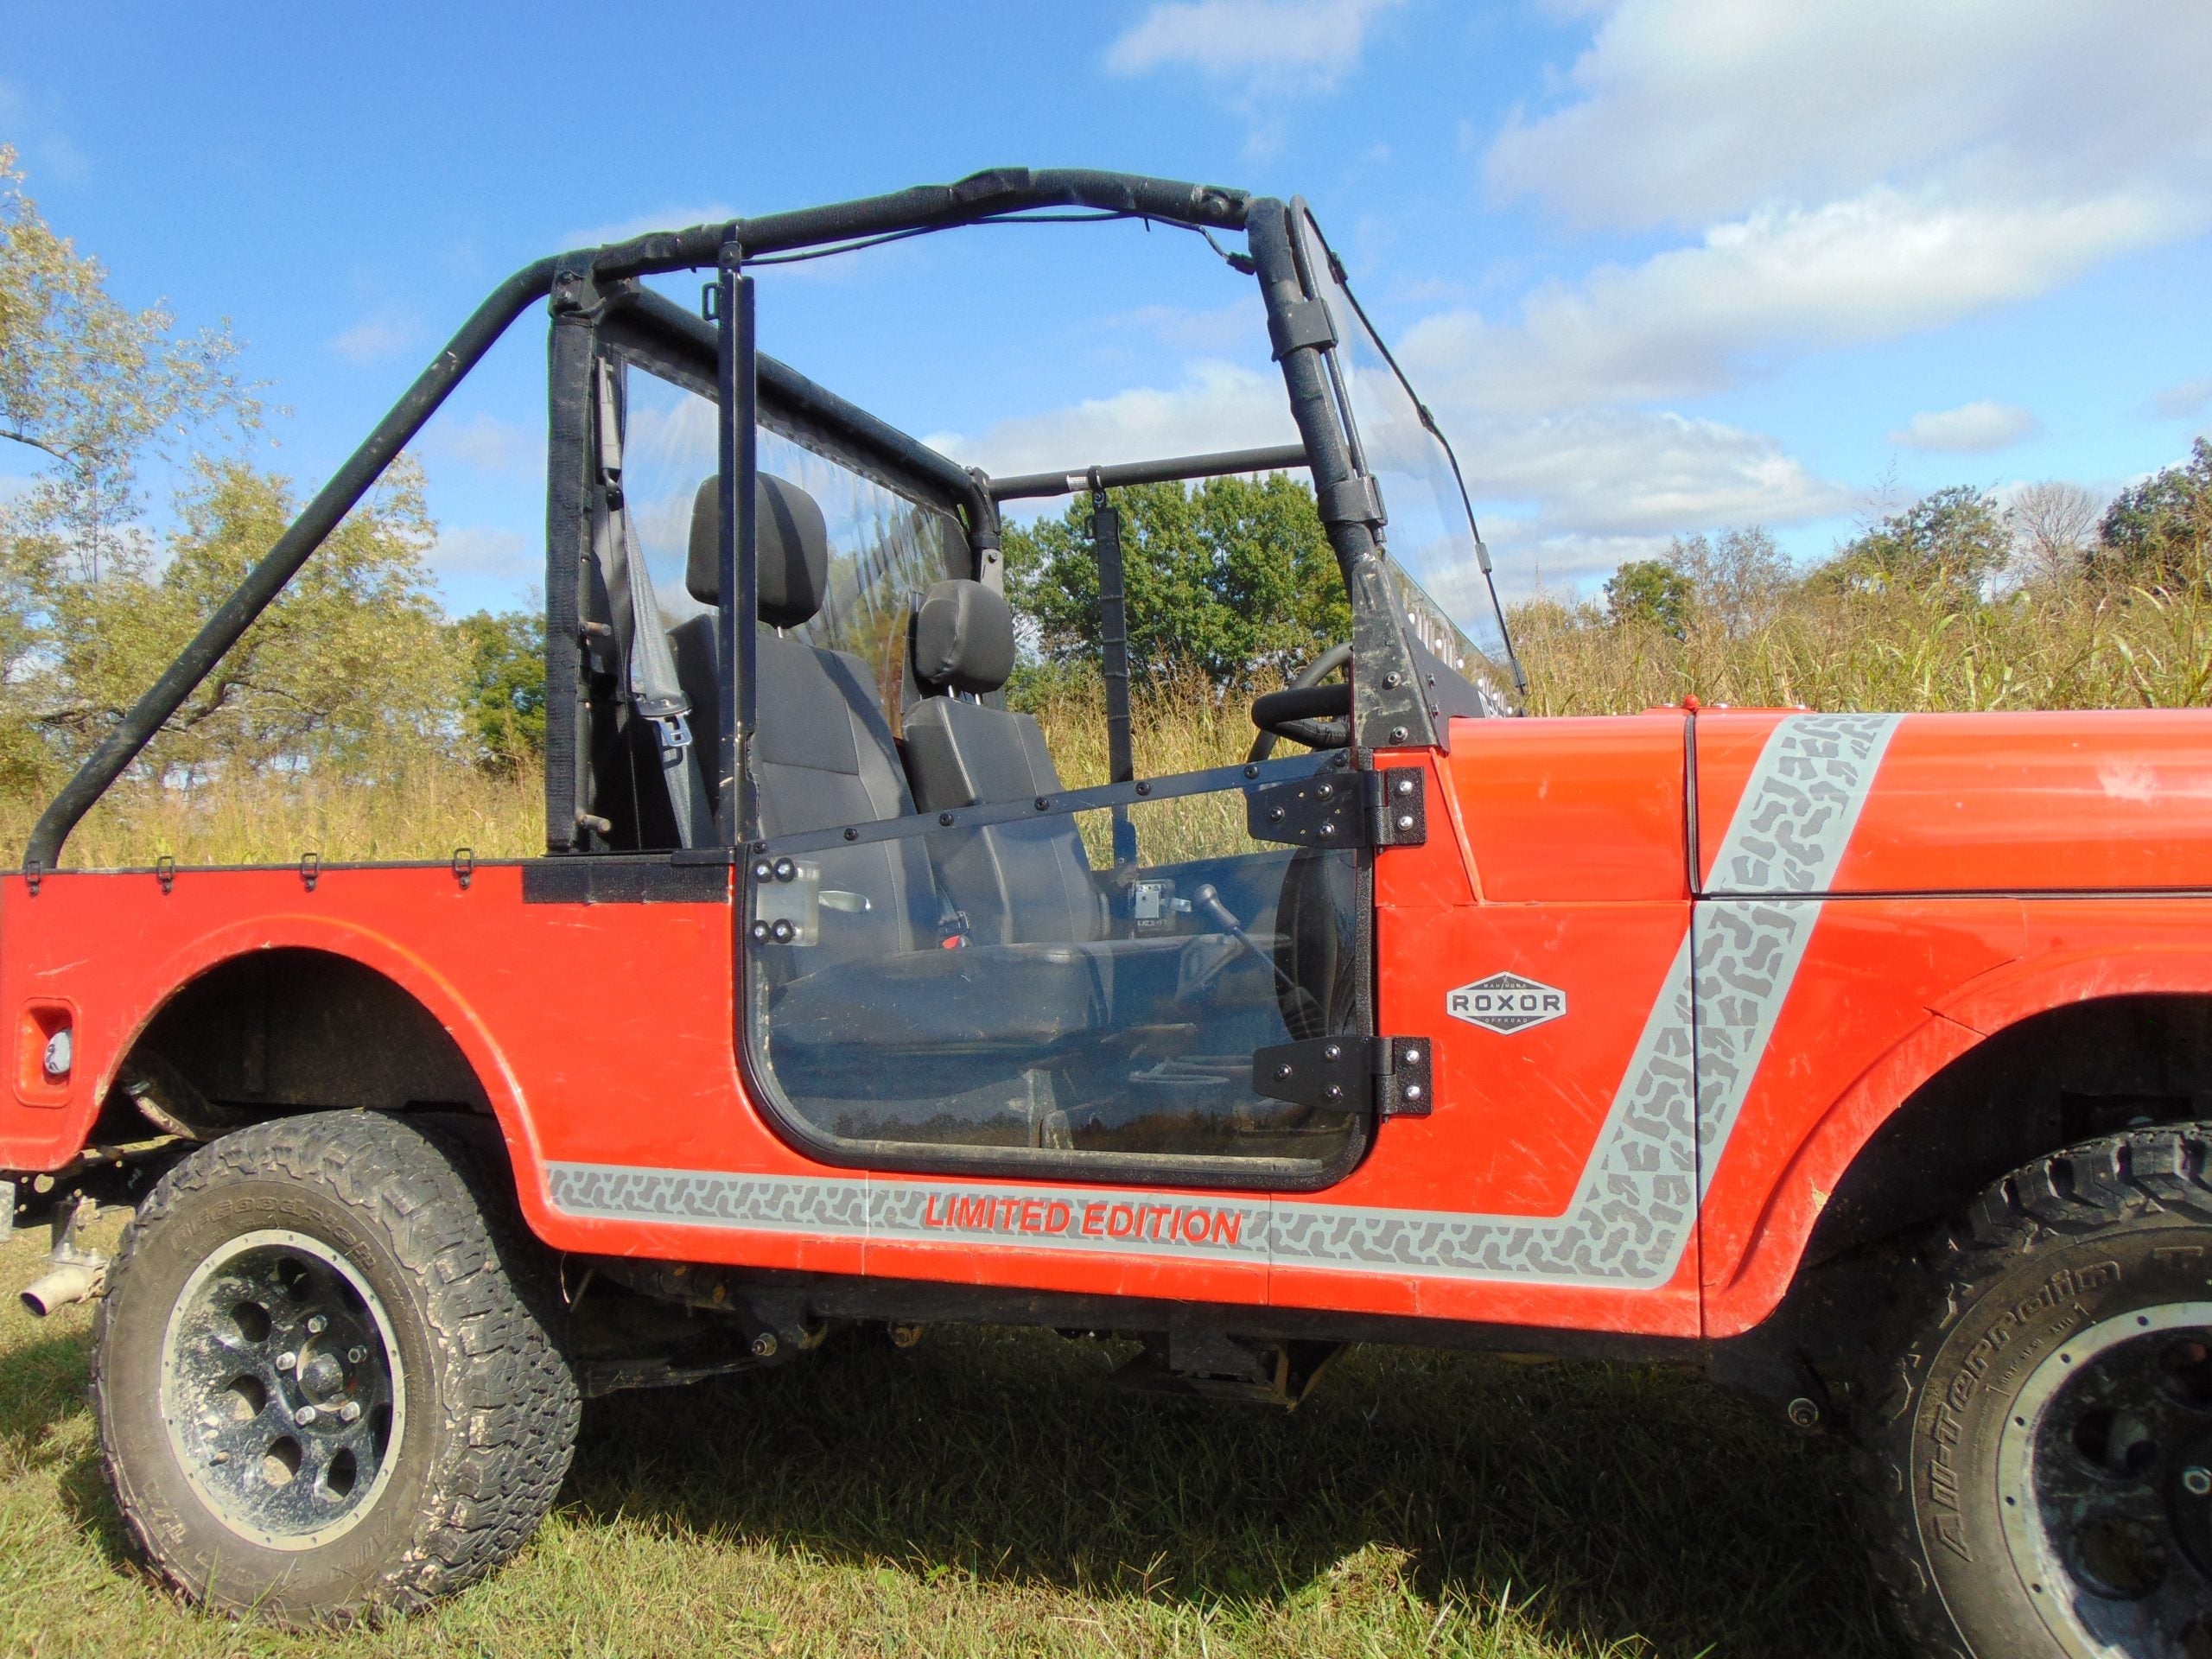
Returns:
(589,287)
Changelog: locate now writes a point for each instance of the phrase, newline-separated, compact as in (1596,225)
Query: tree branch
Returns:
(64,456)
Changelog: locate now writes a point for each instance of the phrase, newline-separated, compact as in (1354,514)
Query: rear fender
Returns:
(407,970)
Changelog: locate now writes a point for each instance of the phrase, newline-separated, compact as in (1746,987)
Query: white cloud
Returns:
(35,129)
(1682,112)
(1308,44)
(1852,173)
(2182,402)
(484,552)
(1218,406)
(486,443)
(1630,472)
(1973,428)
(370,340)
(1691,320)
(1563,494)
(1222,328)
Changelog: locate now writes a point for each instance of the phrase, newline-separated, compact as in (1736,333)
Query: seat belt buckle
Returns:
(673,731)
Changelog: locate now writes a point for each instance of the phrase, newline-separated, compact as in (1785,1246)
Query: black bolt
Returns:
(945,818)
(1251,771)
(784,932)
(1276,814)
(786,870)
(1333,1052)
(1044,803)
(760,931)
(763,870)
(1144,789)
(852,835)
(1397,734)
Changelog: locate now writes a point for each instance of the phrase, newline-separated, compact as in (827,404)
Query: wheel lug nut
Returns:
(2197,1482)
(308,1413)
(317,1324)
(355,1355)
(350,1412)
(286,1360)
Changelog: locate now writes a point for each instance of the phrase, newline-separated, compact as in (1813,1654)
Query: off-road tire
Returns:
(2075,1251)
(427,1218)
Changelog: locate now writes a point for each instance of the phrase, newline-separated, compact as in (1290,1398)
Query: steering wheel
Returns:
(1305,711)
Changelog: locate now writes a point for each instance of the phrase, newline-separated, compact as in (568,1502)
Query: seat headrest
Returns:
(794,549)
(963,639)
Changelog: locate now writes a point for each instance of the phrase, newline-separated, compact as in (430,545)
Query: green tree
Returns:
(1234,579)
(91,386)
(349,664)
(1736,579)
(503,695)
(1950,543)
(1652,593)
(2159,533)
(89,390)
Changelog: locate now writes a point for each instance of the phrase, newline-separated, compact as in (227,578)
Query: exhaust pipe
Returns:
(72,1281)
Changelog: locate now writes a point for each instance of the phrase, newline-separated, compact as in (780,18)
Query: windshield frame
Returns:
(1494,671)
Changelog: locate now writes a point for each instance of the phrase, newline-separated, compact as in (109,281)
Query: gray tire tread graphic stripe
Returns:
(1663,1135)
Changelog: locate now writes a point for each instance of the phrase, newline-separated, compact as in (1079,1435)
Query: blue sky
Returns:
(1659,266)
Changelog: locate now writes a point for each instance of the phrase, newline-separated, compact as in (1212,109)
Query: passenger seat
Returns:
(1013,883)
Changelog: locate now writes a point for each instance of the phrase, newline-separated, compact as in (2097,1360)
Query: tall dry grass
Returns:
(2068,644)
(422,806)
(2052,644)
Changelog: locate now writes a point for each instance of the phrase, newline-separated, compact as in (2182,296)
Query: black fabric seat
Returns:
(823,758)
(1015,883)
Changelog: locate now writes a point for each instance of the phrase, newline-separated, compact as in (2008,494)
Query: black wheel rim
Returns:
(283,1389)
(2105,1483)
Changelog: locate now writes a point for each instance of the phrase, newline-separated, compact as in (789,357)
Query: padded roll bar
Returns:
(1281,458)
(994,194)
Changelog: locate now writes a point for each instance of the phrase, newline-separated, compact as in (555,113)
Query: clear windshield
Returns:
(1434,561)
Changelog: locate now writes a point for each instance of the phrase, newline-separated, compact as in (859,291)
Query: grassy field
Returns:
(992,1492)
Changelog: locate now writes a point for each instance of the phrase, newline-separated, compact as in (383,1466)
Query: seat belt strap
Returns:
(656,693)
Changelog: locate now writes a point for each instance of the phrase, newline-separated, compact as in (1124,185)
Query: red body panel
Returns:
(1556,1183)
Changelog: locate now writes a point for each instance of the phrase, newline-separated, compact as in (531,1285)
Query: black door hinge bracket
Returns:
(1393,1074)
(1386,808)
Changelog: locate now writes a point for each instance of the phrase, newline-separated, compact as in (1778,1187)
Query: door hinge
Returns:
(1393,1074)
(1386,808)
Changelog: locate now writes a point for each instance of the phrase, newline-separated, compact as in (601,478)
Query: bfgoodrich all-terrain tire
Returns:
(327,1374)
(2038,1458)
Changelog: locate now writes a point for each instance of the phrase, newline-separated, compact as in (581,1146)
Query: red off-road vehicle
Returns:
(1861,1060)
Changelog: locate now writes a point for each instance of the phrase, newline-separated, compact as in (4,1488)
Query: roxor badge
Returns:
(1505,1002)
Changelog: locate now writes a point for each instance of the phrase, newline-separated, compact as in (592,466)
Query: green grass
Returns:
(991,1492)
